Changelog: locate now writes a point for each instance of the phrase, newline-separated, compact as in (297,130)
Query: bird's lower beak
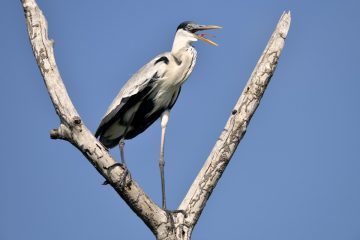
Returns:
(201,36)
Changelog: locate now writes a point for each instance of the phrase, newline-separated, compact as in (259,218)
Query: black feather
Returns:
(185,25)
(162,59)
(123,106)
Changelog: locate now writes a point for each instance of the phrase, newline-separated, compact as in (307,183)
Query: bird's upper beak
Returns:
(201,36)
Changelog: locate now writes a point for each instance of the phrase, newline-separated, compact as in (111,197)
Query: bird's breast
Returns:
(167,86)
(179,69)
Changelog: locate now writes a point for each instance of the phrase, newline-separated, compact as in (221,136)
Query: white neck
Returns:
(183,39)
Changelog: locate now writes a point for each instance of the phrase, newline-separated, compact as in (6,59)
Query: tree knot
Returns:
(76,120)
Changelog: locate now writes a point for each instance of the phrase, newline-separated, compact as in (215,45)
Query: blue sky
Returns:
(295,174)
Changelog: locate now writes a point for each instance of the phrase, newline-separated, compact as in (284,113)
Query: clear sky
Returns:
(295,175)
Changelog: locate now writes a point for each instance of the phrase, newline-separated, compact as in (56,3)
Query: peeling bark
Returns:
(176,225)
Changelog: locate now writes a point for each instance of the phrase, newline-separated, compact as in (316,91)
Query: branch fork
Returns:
(165,225)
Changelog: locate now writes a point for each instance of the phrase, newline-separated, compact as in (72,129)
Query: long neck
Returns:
(182,40)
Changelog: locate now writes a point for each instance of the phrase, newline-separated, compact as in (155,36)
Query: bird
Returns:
(151,93)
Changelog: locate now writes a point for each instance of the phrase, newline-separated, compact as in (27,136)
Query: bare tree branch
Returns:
(72,128)
(165,225)
(236,126)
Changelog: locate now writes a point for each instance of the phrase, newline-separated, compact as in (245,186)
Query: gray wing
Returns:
(135,85)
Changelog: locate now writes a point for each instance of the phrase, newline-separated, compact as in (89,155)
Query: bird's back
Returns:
(140,102)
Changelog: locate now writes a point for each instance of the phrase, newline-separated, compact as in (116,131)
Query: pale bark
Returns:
(236,126)
(178,224)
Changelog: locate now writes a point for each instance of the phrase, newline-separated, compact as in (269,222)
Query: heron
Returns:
(151,93)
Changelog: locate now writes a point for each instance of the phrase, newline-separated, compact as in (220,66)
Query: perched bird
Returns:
(151,93)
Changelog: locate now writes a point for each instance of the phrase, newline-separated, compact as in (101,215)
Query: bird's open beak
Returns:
(201,36)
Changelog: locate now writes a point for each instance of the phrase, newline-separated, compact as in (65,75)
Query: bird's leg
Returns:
(122,156)
(121,146)
(164,121)
(122,164)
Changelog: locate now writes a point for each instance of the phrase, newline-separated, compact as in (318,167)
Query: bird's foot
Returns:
(183,212)
(170,216)
(102,146)
(122,182)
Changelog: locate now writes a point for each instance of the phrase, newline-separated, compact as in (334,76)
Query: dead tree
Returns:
(164,225)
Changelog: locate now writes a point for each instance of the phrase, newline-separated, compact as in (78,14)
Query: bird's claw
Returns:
(122,182)
(170,216)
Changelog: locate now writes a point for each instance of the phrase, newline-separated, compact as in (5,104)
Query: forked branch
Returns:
(178,224)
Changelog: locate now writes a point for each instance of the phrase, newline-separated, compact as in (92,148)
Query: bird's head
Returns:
(186,33)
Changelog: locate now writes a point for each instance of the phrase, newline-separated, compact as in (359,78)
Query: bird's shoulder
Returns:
(153,70)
